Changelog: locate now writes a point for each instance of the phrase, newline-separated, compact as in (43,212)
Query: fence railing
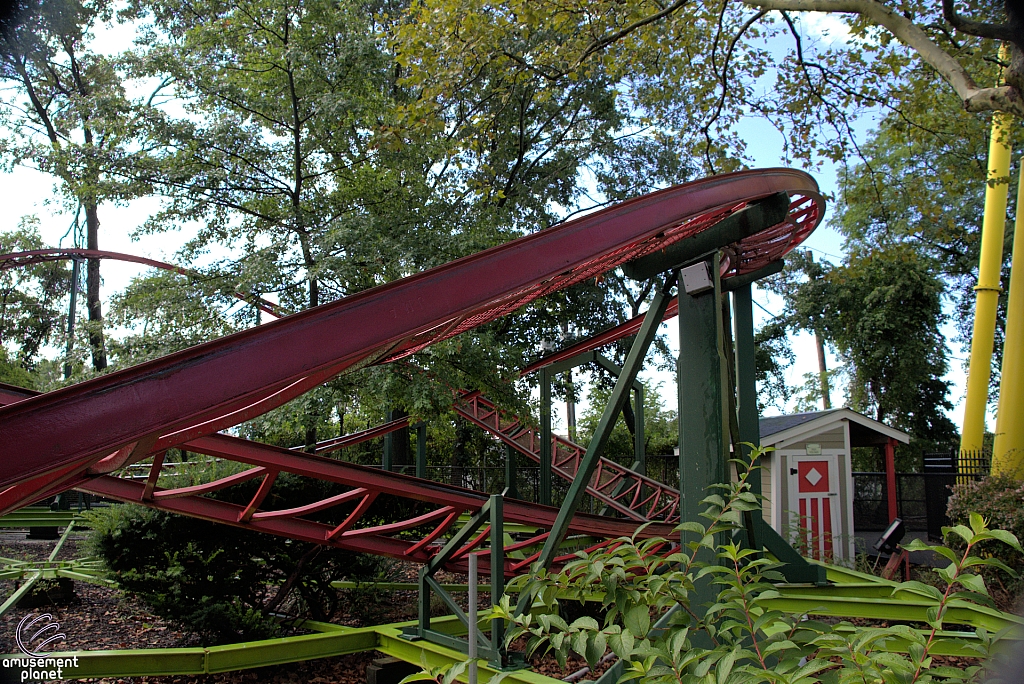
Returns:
(921,498)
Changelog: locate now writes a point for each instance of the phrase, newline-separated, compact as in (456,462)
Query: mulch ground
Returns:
(98,618)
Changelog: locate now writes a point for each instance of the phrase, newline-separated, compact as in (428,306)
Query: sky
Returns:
(29,192)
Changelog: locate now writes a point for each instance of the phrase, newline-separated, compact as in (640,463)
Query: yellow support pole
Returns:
(983,337)
(1008,451)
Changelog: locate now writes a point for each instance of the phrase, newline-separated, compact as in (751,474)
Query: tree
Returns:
(73,121)
(921,184)
(772,357)
(31,307)
(723,56)
(882,310)
(306,151)
(163,312)
(661,435)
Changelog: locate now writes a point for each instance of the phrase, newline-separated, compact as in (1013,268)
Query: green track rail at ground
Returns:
(330,640)
(34,516)
(851,594)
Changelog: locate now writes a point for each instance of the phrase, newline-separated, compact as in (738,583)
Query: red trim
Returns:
(890,477)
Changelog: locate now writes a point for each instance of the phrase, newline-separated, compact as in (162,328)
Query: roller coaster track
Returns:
(633,495)
(80,436)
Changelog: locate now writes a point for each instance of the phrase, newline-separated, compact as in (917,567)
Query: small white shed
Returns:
(807,481)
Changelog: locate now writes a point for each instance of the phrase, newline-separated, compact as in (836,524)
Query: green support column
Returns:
(760,534)
(619,396)
(639,441)
(421,450)
(511,473)
(389,449)
(746,378)
(544,483)
(702,402)
(703,407)
(499,658)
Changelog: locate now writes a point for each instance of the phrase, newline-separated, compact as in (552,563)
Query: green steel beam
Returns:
(891,609)
(426,654)
(498,652)
(703,411)
(511,473)
(421,450)
(639,432)
(19,593)
(740,281)
(841,575)
(38,517)
(619,396)
(289,649)
(135,662)
(544,495)
(753,218)
(746,383)
(60,542)
(850,589)
(333,640)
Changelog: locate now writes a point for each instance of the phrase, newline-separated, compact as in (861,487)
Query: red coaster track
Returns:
(78,435)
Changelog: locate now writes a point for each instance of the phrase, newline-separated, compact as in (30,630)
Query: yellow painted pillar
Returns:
(1008,451)
(983,337)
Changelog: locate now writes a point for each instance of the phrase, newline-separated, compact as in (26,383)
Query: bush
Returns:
(223,584)
(1000,501)
(654,624)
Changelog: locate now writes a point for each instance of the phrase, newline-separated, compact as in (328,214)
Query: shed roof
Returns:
(799,426)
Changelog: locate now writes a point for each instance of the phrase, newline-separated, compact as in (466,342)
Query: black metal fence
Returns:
(921,498)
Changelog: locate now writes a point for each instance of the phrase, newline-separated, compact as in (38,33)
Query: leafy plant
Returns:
(221,585)
(655,621)
(1000,500)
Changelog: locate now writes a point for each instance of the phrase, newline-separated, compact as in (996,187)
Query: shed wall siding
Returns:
(833,439)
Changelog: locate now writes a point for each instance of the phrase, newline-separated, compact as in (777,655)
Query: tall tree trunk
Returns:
(92,295)
(826,399)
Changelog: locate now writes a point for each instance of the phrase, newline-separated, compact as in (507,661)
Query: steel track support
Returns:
(760,534)
(619,396)
(703,408)
(511,473)
(421,450)
(544,481)
(639,464)
(493,649)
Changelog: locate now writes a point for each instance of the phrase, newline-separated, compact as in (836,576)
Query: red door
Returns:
(815,488)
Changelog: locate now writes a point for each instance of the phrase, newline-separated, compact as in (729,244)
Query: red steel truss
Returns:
(37,256)
(443,503)
(633,495)
(79,435)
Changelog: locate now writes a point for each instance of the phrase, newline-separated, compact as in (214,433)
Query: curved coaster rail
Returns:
(633,495)
(79,435)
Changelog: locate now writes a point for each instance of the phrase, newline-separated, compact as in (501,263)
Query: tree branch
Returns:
(1004,98)
(979,28)
(605,41)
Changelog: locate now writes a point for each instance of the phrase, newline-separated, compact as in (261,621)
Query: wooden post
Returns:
(890,477)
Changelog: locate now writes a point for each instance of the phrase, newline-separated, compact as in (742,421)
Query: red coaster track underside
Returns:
(76,436)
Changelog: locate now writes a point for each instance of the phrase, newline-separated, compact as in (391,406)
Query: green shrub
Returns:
(656,626)
(1000,501)
(223,584)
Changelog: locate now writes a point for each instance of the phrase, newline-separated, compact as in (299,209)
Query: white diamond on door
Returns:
(813,476)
